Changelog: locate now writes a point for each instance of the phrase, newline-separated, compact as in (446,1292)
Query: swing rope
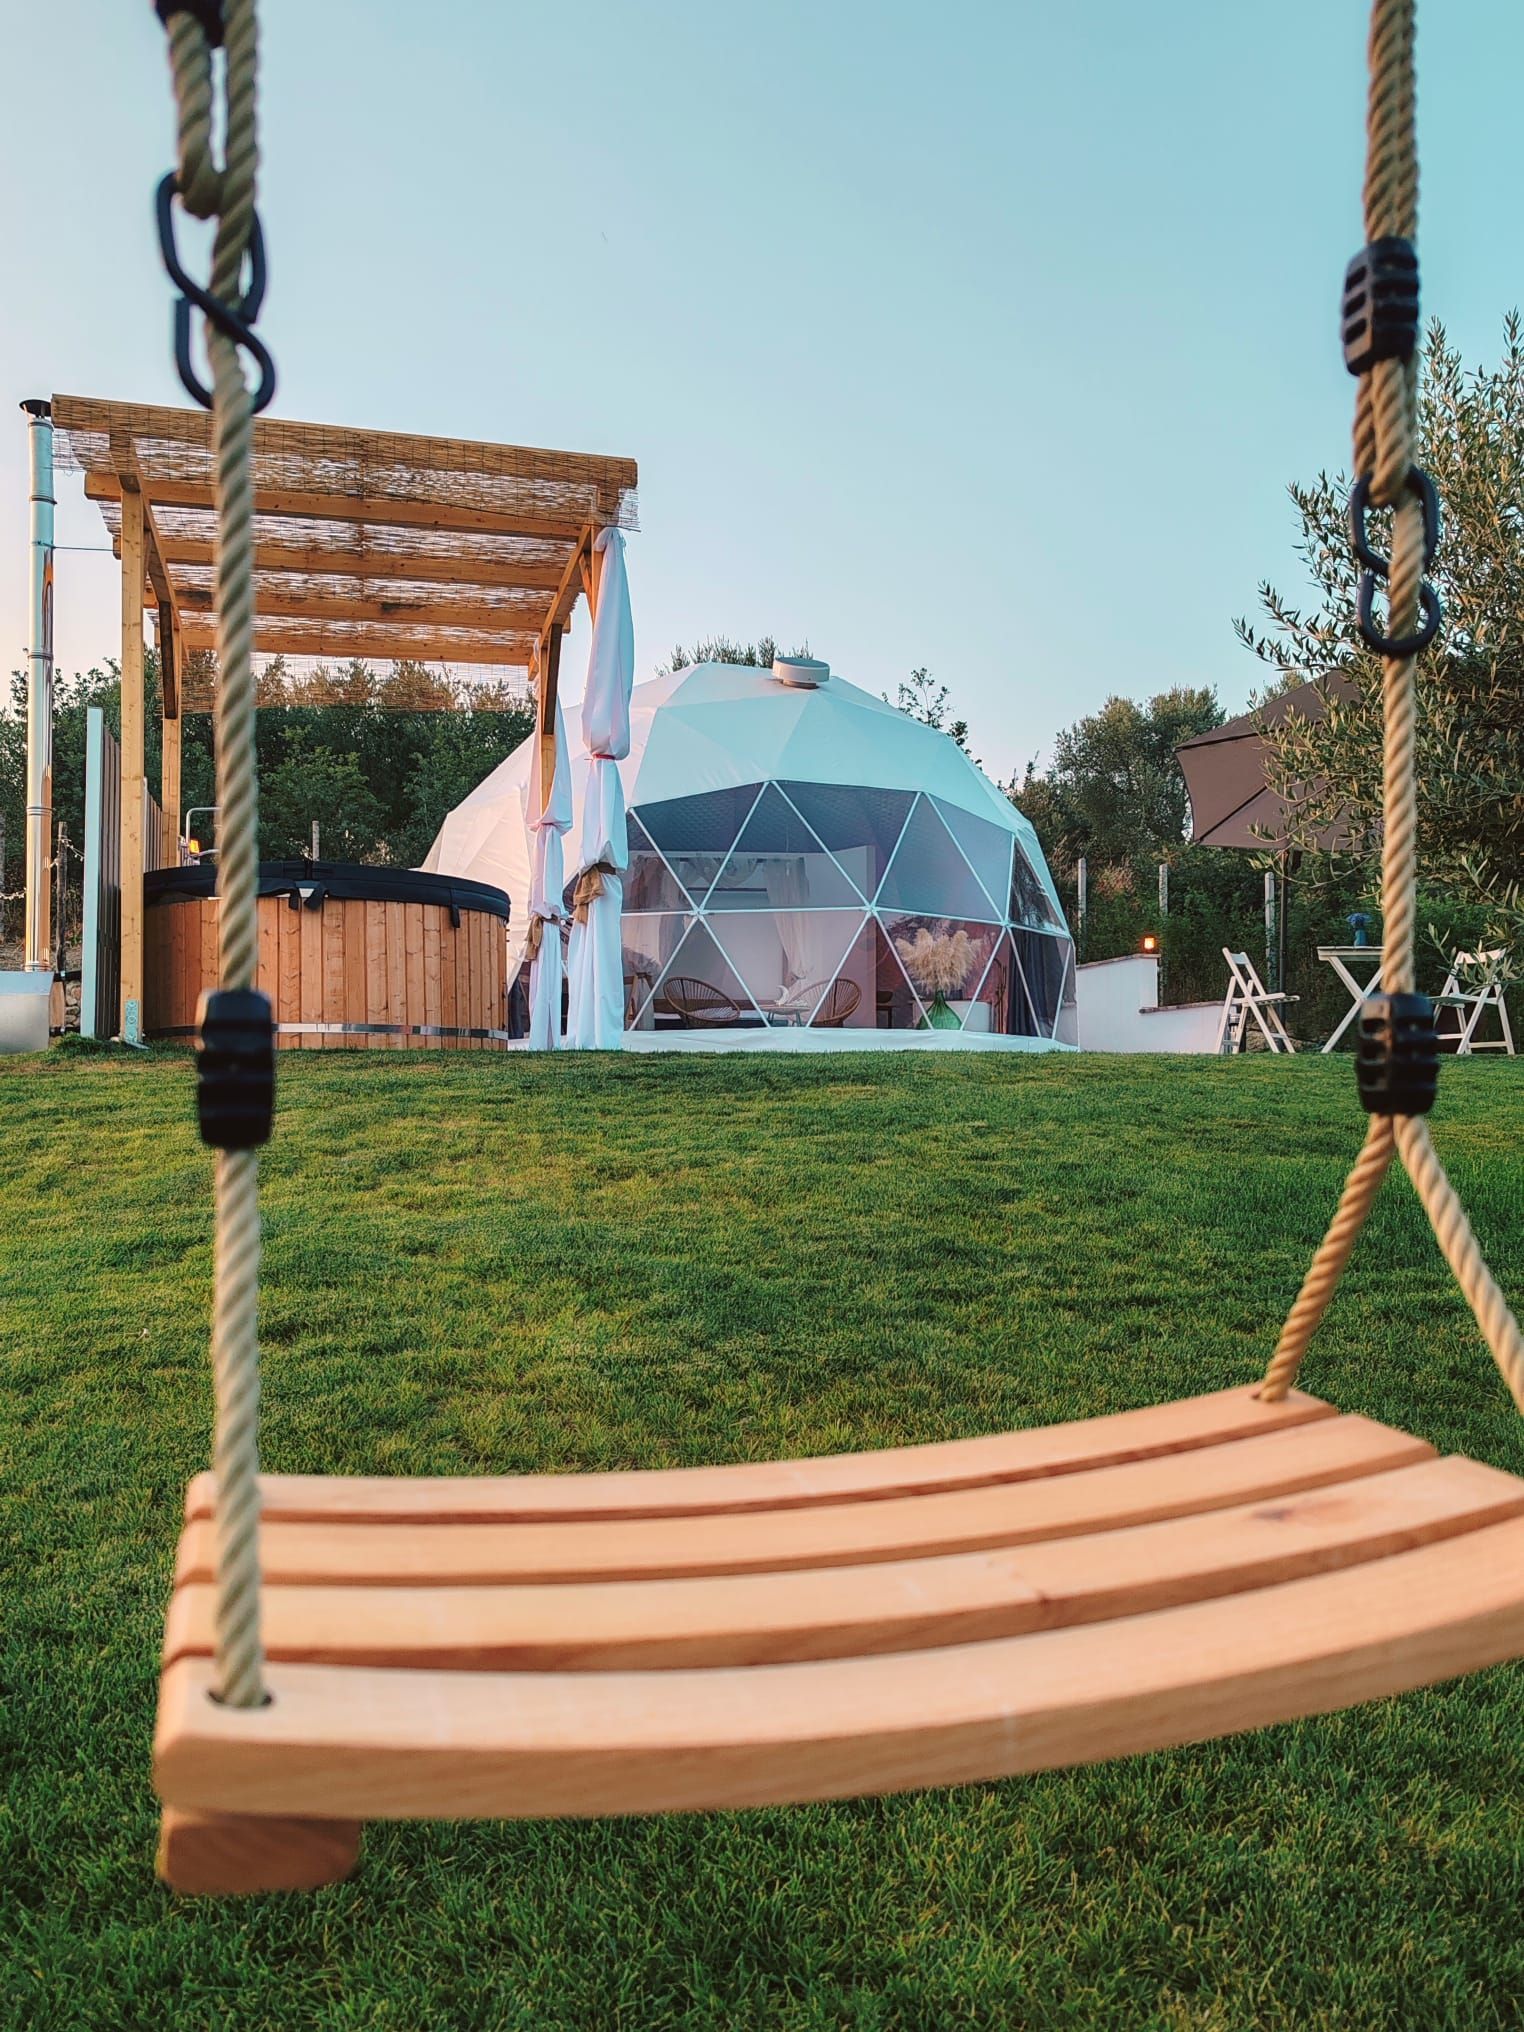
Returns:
(1385,443)
(227,193)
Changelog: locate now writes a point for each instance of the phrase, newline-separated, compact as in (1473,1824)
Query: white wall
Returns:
(1118,1010)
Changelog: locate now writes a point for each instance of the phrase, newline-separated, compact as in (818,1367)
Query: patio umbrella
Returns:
(595,1005)
(1232,802)
(546,819)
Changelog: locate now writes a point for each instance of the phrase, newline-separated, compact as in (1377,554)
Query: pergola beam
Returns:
(573,578)
(513,651)
(453,569)
(485,617)
(153,554)
(378,509)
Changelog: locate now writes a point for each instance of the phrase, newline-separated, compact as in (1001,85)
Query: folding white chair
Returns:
(1478,981)
(1248,996)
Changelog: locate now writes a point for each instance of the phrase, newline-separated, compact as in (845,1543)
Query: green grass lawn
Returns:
(484,1263)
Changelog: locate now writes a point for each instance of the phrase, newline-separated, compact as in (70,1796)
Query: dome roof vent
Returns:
(803,673)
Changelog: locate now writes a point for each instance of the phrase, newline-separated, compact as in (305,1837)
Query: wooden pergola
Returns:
(414,555)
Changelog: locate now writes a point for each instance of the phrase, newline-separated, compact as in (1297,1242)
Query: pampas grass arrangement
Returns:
(938,962)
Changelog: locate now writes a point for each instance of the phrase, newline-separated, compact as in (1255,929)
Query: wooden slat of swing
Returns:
(353,1744)
(841,1534)
(1041,1451)
(852,1611)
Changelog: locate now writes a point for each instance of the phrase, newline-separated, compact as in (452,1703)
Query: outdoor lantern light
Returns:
(1150,943)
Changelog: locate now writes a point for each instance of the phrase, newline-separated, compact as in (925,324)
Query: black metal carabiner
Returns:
(1397,645)
(234,320)
(1379,567)
(1417,482)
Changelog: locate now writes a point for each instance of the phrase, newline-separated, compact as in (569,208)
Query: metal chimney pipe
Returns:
(39,689)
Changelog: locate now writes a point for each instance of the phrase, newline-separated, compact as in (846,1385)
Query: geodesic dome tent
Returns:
(803,855)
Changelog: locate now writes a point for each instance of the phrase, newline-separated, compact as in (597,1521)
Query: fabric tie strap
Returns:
(537,923)
(589,886)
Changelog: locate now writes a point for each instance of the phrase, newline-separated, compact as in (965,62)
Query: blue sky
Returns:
(985,336)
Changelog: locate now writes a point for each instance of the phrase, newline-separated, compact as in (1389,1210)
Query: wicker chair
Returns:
(837,1006)
(697,1005)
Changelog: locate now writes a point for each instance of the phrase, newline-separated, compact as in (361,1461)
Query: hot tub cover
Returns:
(311,883)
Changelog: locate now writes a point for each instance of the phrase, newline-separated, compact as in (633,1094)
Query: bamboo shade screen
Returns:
(415,556)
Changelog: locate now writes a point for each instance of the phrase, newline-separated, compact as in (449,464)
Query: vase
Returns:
(940,1016)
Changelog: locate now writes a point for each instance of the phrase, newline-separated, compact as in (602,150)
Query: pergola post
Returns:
(131,871)
(39,692)
(549,686)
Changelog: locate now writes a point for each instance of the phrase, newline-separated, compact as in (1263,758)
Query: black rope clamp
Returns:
(1377,567)
(236,320)
(235,1068)
(1397,1060)
(207,12)
(1379,315)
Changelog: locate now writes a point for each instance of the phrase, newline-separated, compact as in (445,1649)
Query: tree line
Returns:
(378,782)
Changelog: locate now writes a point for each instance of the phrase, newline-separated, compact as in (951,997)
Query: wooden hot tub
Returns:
(349,956)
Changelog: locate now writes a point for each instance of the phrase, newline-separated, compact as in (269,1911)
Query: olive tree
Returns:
(1470,683)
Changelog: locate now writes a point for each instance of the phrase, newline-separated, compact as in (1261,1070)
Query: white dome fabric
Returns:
(803,856)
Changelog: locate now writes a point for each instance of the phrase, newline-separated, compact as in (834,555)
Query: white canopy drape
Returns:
(595,1018)
(546,820)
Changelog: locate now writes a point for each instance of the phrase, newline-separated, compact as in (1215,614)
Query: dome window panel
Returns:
(779,864)
(700,990)
(945,960)
(650,939)
(885,998)
(999,1007)
(1046,961)
(929,873)
(649,883)
(1023,1010)
(1030,902)
(708,823)
(860,825)
(788,960)
(986,847)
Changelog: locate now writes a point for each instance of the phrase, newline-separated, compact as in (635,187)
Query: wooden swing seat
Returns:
(514,1647)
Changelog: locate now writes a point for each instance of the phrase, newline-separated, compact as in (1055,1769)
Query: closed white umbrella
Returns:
(595,1005)
(546,819)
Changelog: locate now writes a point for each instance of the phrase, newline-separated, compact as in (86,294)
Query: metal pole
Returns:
(61,889)
(1163,919)
(39,688)
(315,853)
(1081,902)
(1283,899)
(1272,944)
